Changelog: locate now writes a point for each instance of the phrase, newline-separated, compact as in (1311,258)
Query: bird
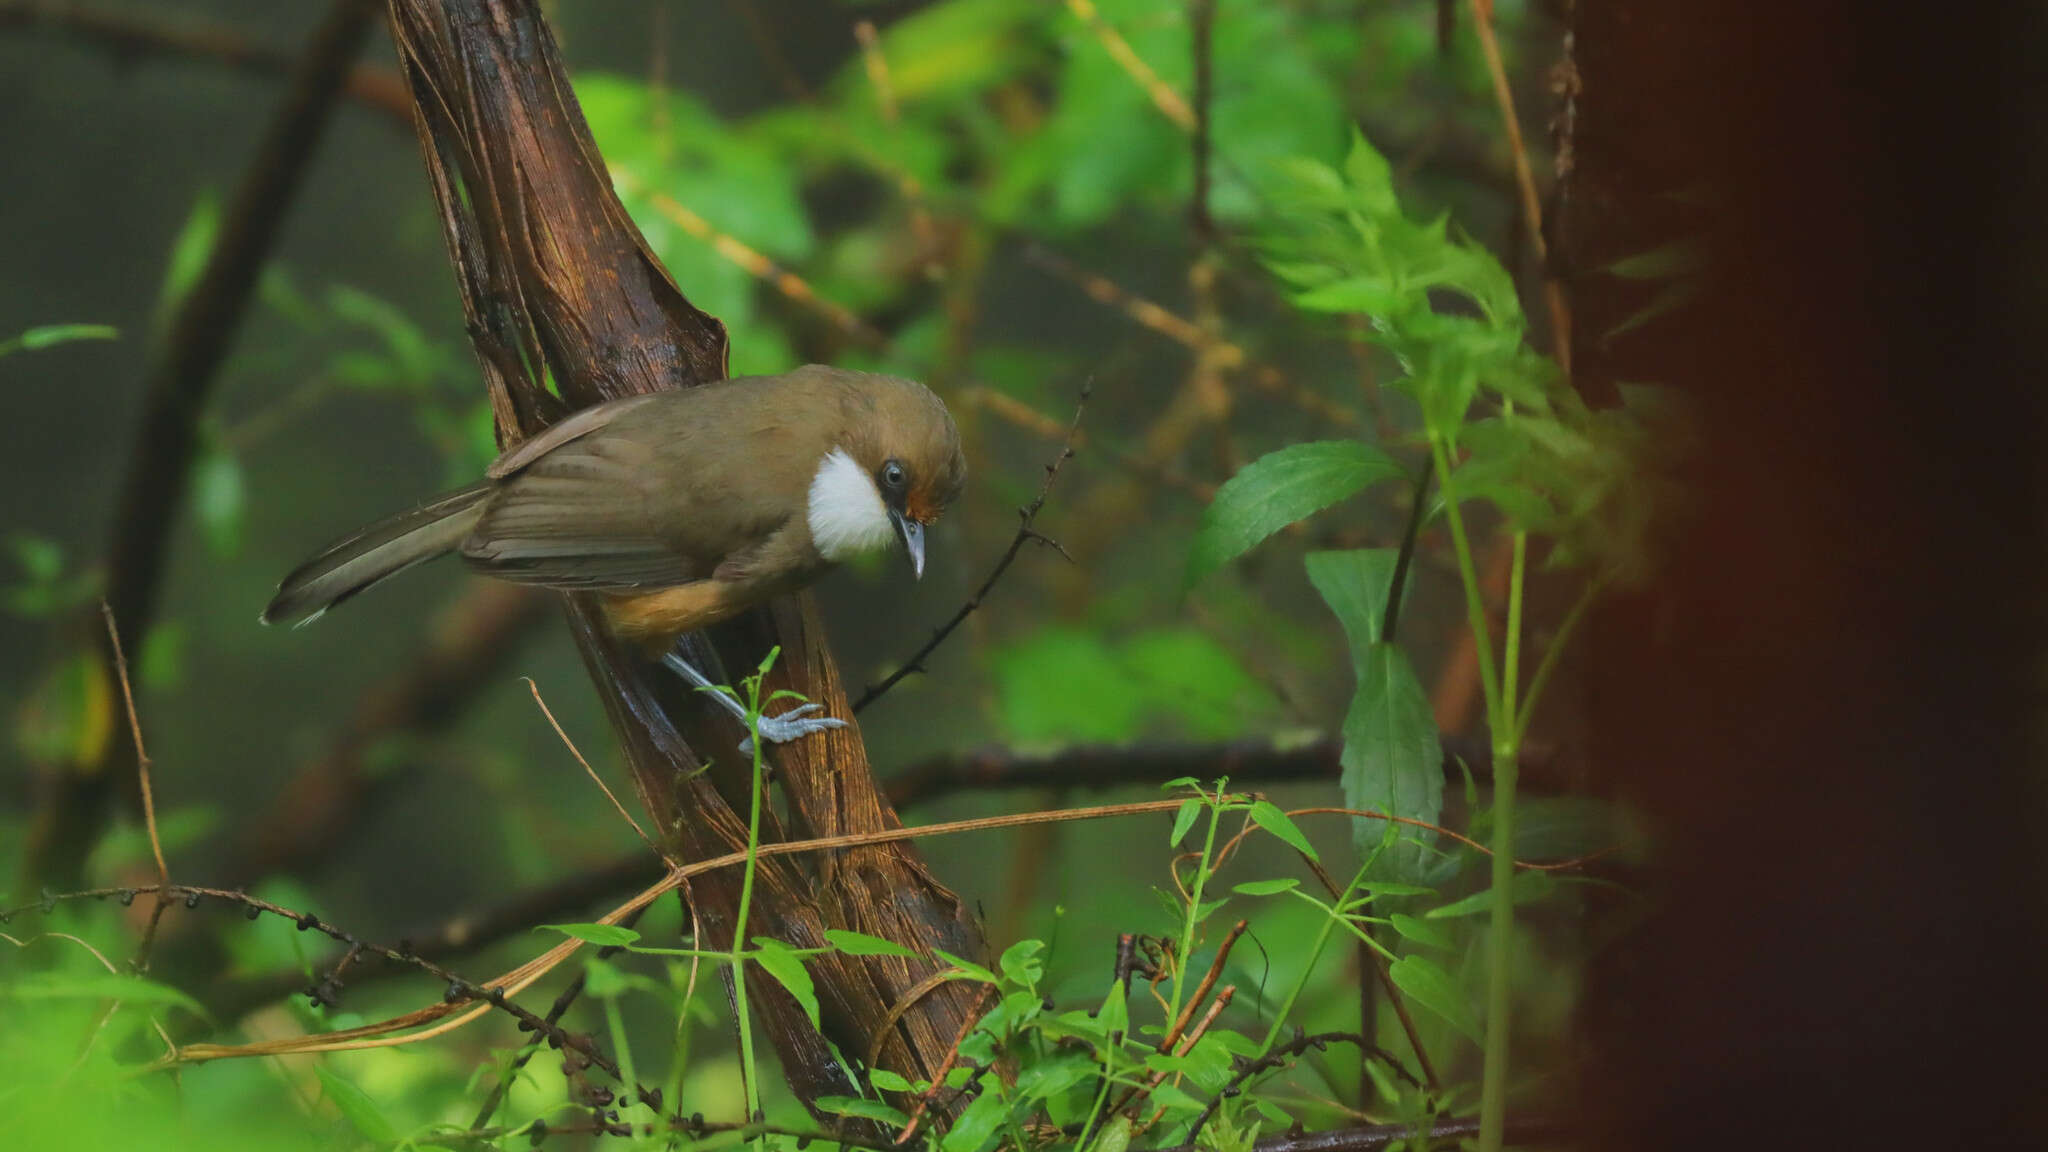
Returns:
(681,508)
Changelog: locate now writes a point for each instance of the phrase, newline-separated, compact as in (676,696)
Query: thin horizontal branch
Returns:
(1097,766)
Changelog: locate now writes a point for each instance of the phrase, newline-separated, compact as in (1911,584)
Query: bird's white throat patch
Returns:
(846,513)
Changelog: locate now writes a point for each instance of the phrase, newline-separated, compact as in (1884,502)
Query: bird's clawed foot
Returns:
(796,722)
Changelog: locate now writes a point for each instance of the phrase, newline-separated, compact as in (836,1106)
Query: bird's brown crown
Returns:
(908,426)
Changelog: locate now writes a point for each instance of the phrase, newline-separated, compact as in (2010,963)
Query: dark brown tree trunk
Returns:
(554,275)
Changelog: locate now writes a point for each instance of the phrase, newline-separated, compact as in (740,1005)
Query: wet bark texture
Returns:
(559,287)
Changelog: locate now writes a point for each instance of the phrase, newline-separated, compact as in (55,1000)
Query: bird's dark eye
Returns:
(894,477)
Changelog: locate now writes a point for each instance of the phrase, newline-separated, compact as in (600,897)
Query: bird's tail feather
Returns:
(383,549)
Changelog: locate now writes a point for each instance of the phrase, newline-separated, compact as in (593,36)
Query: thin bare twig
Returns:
(1525,182)
(142,764)
(938,1082)
(1025,534)
(588,770)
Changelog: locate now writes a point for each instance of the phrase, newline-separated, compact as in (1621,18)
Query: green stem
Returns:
(1187,934)
(739,931)
(1315,953)
(1493,1099)
(1468,574)
(1493,1091)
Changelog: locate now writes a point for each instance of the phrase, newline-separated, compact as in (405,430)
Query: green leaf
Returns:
(362,1113)
(888,1081)
(1393,760)
(781,961)
(1278,489)
(51,335)
(976,1126)
(97,986)
(1116,1135)
(1355,584)
(1116,1010)
(1425,982)
(862,1109)
(862,944)
(606,934)
(1525,888)
(1393,755)
(970,969)
(1021,964)
(189,252)
(219,496)
(1420,931)
(1268,815)
(1184,818)
(1265,887)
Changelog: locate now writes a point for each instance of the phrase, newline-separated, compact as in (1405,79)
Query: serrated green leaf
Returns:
(363,1114)
(862,944)
(609,935)
(1425,982)
(1278,489)
(1265,887)
(781,961)
(1393,758)
(1268,815)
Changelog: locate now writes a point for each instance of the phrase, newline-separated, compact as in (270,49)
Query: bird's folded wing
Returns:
(588,515)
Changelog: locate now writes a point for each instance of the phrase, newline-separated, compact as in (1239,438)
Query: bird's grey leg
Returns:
(781,729)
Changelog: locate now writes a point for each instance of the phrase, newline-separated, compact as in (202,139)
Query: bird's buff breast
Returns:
(653,620)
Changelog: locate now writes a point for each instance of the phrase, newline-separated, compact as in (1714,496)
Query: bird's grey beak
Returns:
(913,541)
